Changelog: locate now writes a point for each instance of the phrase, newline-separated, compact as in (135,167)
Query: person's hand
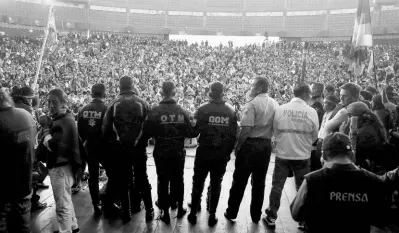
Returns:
(45,121)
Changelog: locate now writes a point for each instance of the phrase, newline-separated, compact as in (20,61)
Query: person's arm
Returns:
(107,128)
(81,126)
(247,124)
(391,178)
(299,208)
(336,121)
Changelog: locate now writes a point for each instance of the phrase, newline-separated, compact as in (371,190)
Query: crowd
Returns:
(123,90)
(78,63)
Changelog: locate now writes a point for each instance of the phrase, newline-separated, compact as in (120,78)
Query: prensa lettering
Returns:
(348,197)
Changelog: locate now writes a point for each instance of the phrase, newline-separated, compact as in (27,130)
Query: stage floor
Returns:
(44,220)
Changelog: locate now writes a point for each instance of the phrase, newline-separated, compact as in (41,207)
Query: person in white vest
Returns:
(295,127)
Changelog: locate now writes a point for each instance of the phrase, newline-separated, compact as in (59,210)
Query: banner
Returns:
(362,36)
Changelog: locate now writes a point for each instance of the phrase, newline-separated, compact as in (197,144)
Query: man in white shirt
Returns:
(295,126)
(329,104)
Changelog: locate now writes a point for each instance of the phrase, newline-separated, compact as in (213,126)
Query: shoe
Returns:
(192,218)
(199,206)
(270,221)
(255,220)
(302,226)
(38,206)
(229,217)
(149,215)
(165,217)
(42,186)
(212,220)
(76,230)
(97,210)
(181,212)
(126,218)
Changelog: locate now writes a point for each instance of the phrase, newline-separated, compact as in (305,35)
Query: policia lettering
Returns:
(348,197)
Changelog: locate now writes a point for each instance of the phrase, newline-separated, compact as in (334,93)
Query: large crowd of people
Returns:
(112,93)
(78,63)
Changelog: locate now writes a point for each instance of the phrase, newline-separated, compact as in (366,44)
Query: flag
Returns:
(52,41)
(362,36)
(304,60)
(371,63)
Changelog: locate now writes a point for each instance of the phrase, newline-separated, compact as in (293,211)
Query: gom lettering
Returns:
(218,120)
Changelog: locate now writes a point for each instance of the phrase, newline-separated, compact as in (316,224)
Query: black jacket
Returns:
(17,139)
(341,193)
(216,124)
(169,124)
(90,121)
(124,119)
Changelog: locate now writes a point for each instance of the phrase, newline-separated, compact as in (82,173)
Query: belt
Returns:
(259,138)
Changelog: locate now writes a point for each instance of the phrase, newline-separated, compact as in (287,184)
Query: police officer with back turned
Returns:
(123,128)
(253,150)
(90,120)
(217,126)
(169,124)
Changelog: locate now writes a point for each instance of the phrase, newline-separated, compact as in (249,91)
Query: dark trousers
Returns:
(93,162)
(170,171)
(213,161)
(140,188)
(15,217)
(281,169)
(252,159)
(315,156)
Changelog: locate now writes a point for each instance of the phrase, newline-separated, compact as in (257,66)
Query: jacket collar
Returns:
(296,99)
(217,101)
(341,166)
(130,92)
(97,101)
(168,101)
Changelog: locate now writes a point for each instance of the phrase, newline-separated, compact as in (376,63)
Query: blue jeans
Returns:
(15,217)
(281,169)
(62,180)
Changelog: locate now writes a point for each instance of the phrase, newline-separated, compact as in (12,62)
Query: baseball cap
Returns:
(357,108)
(336,142)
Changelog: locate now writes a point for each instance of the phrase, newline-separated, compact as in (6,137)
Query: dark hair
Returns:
(353,89)
(62,97)
(329,88)
(302,89)
(376,123)
(262,83)
(98,90)
(168,88)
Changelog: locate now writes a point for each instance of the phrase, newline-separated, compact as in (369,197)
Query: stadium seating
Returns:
(147,20)
(224,24)
(306,5)
(70,14)
(147,4)
(183,22)
(263,5)
(263,23)
(341,22)
(186,5)
(225,5)
(305,23)
(106,17)
(389,18)
(113,3)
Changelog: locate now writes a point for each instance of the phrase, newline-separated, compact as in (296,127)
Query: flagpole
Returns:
(43,48)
